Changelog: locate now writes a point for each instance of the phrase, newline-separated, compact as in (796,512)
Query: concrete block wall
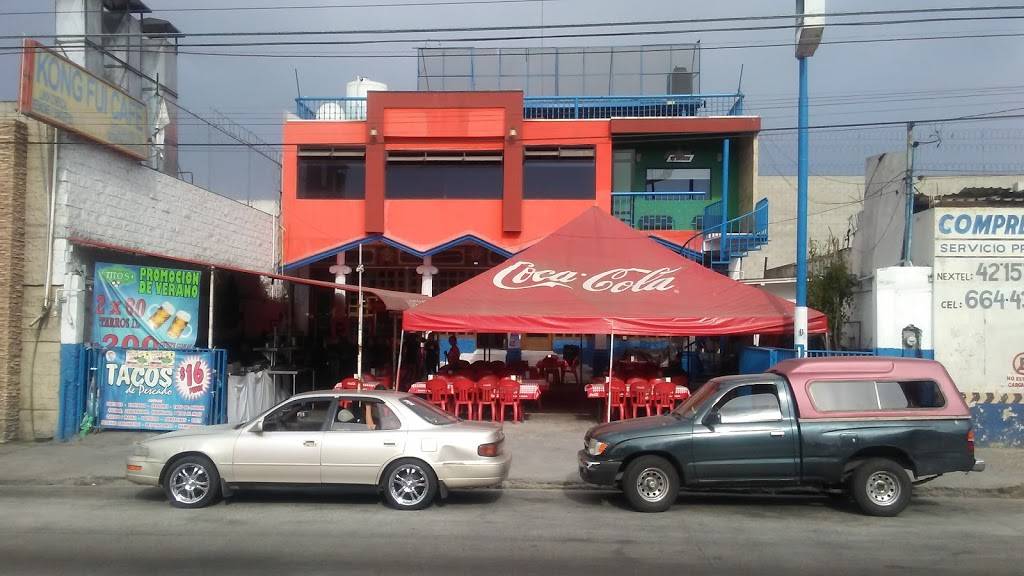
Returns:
(13,173)
(107,197)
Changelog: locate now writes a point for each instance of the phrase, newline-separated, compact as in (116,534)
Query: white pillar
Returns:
(339,269)
(427,271)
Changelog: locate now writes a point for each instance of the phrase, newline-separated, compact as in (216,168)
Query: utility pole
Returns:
(808,37)
(908,187)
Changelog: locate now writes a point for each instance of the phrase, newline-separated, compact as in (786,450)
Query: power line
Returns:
(291,7)
(512,51)
(378,32)
(994,115)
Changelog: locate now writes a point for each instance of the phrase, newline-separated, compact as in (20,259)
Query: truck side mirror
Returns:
(713,419)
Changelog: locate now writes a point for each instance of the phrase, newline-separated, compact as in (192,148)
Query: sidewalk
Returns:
(543,448)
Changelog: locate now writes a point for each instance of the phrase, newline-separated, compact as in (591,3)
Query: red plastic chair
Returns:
(508,395)
(465,396)
(639,396)
(486,396)
(437,389)
(663,394)
(617,396)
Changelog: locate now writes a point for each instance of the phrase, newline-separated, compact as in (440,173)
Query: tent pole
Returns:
(611,364)
(359,335)
(398,373)
(394,335)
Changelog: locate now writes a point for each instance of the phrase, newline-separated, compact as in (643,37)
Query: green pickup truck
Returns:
(858,426)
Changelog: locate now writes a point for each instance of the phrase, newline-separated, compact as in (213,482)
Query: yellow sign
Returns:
(58,92)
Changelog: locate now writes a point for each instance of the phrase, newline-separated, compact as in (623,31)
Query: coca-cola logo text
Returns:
(522,275)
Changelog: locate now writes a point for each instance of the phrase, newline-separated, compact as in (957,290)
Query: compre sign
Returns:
(58,92)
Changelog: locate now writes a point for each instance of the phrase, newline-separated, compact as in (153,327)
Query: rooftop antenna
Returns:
(739,85)
(298,91)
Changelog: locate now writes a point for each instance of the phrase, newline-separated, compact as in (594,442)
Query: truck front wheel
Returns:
(881,487)
(651,484)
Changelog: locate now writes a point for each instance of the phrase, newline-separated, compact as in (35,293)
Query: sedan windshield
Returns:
(428,411)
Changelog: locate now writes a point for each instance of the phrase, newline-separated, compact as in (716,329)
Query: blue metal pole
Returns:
(800,317)
(723,239)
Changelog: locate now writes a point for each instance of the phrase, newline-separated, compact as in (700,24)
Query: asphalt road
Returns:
(118,530)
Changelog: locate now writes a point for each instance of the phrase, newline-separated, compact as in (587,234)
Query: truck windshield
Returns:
(689,408)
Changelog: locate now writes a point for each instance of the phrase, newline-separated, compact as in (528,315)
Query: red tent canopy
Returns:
(595,275)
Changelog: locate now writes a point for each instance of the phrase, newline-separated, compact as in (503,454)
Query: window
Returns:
(331,174)
(655,222)
(300,416)
(756,403)
(444,175)
(865,395)
(559,173)
(427,411)
(357,415)
(678,183)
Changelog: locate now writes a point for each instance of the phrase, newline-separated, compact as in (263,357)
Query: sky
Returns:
(862,82)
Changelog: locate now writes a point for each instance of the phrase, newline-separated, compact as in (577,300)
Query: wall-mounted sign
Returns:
(155,389)
(979,297)
(145,306)
(59,92)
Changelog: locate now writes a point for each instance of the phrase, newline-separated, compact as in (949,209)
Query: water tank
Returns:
(357,89)
(330,111)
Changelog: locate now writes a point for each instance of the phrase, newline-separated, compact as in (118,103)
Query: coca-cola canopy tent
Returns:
(596,275)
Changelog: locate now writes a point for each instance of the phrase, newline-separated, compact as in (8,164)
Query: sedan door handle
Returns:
(777,433)
(389,443)
(309,443)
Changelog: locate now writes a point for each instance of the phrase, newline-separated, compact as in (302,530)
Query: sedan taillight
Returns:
(970,442)
(491,450)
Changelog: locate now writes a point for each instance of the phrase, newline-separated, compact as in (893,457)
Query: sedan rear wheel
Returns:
(409,485)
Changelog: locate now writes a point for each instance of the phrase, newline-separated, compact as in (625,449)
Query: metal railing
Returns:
(836,353)
(557,107)
(735,238)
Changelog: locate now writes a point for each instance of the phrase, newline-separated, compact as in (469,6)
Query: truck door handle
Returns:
(389,443)
(777,433)
(309,443)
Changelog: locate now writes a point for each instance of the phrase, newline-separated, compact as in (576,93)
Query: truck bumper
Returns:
(602,472)
(979,466)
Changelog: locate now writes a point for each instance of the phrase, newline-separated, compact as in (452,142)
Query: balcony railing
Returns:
(558,107)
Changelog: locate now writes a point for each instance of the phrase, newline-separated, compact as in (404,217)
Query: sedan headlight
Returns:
(596,447)
(140,450)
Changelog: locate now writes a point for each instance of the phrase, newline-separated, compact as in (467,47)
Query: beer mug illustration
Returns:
(181,321)
(160,315)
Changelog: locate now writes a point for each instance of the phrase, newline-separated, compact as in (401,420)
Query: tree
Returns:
(830,286)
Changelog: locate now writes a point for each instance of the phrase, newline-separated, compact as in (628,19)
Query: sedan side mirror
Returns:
(257,427)
(713,419)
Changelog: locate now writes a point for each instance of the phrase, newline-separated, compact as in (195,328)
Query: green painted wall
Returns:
(706,156)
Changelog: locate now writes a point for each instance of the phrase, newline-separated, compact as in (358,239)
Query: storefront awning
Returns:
(391,299)
(596,275)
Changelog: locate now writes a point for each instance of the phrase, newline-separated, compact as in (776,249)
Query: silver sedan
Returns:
(405,446)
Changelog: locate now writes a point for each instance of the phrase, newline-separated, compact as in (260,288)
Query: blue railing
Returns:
(558,107)
(736,238)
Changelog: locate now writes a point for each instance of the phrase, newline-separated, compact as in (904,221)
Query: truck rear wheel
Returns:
(881,487)
(651,484)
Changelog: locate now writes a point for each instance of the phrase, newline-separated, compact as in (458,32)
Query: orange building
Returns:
(439,186)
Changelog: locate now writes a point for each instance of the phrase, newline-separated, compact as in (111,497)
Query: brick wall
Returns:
(107,197)
(13,168)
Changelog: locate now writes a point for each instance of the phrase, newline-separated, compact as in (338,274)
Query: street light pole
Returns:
(800,314)
(808,37)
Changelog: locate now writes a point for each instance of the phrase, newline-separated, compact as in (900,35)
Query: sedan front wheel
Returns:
(192,482)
